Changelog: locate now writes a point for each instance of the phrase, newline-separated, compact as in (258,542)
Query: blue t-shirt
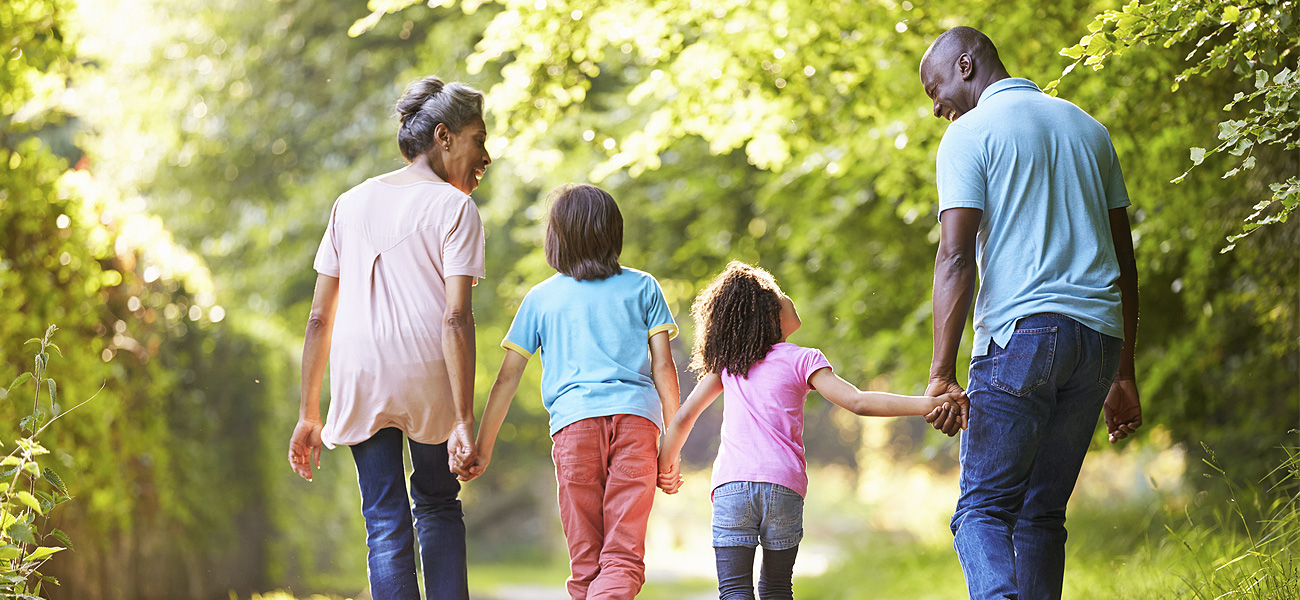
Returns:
(594,338)
(1046,175)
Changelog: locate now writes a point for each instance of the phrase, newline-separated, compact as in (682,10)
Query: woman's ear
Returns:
(442,136)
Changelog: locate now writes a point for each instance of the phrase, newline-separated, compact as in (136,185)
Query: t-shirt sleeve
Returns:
(327,255)
(462,248)
(1116,191)
(525,335)
(810,362)
(658,317)
(960,170)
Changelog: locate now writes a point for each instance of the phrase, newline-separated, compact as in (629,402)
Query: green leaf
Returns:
(11,460)
(9,552)
(56,481)
(21,533)
(54,391)
(27,498)
(35,340)
(1198,155)
(58,534)
(56,349)
(1231,13)
(19,380)
(43,552)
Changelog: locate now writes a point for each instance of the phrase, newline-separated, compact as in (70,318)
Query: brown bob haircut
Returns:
(584,234)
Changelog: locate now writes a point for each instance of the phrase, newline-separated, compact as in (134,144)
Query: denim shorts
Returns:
(749,513)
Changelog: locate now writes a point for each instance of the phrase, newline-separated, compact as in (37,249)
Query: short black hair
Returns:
(584,234)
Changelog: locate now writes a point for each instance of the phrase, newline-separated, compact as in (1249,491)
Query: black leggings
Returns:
(736,573)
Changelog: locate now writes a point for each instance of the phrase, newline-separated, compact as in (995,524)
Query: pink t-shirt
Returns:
(762,419)
(392,248)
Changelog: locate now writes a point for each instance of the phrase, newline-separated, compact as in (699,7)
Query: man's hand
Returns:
(461,452)
(947,421)
(304,447)
(1122,409)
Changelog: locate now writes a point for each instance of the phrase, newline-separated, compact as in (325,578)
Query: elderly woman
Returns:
(400,256)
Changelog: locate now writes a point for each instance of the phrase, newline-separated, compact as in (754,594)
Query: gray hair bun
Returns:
(428,101)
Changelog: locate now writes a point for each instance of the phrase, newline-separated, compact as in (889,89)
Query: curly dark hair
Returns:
(737,319)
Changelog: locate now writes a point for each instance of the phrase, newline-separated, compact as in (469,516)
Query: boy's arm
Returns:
(494,414)
(705,392)
(874,404)
(664,373)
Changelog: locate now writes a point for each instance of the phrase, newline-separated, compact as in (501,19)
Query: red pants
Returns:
(606,469)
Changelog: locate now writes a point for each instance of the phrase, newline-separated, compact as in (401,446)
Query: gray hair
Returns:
(425,103)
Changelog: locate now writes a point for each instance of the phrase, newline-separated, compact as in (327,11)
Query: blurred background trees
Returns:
(169,167)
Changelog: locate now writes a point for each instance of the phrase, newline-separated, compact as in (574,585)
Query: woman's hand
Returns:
(473,470)
(304,447)
(460,450)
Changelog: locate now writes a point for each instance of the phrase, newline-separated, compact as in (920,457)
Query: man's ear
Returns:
(966,66)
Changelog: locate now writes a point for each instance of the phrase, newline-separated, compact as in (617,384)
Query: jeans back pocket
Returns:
(1026,363)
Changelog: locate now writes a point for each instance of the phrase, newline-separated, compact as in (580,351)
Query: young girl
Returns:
(607,397)
(759,480)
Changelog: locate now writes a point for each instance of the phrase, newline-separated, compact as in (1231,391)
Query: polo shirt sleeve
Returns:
(658,317)
(811,361)
(525,335)
(961,170)
(462,248)
(1116,191)
(327,255)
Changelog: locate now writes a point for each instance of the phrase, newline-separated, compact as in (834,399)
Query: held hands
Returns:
(1122,409)
(461,453)
(304,447)
(670,475)
(953,411)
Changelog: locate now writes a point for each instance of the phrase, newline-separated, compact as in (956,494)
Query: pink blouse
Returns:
(392,248)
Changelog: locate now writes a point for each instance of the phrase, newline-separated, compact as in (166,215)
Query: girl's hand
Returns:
(304,447)
(670,476)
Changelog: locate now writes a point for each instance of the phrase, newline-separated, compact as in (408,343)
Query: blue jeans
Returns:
(1034,406)
(439,521)
(745,515)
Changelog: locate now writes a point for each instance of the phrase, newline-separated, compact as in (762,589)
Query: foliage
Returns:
(25,508)
(1257,41)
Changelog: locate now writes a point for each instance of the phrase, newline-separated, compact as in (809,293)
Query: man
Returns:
(1030,189)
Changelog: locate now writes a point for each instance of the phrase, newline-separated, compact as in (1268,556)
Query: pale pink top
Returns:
(762,419)
(391,247)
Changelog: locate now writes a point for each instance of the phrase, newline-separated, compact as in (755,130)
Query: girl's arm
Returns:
(705,392)
(494,414)
(878,404)
(664,373)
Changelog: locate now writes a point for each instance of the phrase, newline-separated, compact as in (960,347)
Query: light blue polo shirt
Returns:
(594,337)
(1045,174)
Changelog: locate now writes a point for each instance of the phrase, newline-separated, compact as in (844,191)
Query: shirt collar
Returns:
(1010,83)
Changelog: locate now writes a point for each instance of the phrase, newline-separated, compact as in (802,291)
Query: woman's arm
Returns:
(875,404)
(705,392)
(305,443)
(494,414)
(458,348)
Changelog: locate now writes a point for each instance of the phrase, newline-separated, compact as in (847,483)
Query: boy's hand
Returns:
(670,477)
(471,471)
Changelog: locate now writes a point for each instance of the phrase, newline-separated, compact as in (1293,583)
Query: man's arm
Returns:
(1123,409)
(458,348)
(954,289)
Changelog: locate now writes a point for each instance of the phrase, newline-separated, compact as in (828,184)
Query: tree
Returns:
(1254,40)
